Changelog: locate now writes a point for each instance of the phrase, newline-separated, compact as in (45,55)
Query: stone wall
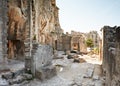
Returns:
(66,42)
(111,58)
(59,44)
(3,30)
(19,28)
(78,39)
(82,44)
(73,41)
(48,27)
(31,21)
(1,57)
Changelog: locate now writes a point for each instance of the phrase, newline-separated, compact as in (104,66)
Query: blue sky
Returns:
(86,15)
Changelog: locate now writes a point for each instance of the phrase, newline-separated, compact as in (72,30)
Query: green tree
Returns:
(89,42)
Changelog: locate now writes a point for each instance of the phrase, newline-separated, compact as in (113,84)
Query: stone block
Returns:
(27,76)
(42,62)
(89,73)
(45,72)
(43,56)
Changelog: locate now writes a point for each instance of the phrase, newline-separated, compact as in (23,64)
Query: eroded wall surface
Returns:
(46,21)
(111,55)
(31,21)
(3,30)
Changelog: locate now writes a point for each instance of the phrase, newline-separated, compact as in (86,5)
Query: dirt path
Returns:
(74,74)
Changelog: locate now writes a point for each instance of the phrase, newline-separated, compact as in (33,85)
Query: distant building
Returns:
(73,41)
(95,37)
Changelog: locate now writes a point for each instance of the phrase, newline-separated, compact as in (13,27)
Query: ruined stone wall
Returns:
(82,44)
(28,21)
(59,44)
(78,39)
(31,21)
(19,28)
(3,30)
(111,58)
(47,16)
(66,42)
(75,43)
(1,57)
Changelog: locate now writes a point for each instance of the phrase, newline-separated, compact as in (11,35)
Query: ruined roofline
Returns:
(105,27)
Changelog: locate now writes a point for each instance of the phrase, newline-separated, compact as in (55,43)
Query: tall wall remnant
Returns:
(111,55)
(31,24)
(18,28)
(3,30)
(31,20)
(47,14)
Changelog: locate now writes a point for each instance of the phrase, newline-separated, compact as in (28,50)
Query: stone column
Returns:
(28,39)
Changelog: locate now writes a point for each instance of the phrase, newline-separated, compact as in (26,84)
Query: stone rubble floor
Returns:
(74,74)
(13,65)
(10,66)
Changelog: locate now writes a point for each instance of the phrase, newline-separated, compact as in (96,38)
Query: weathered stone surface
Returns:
(3,82)
(42,62)
(111,60)
(29,21)
(70,56)
(58,54)
(97,72)
(46,72)
(27,76)
(79,60)
(17,80)
(46,12)
(10,75)
(3,30)
(89,73)
(20,79)
(43,56)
